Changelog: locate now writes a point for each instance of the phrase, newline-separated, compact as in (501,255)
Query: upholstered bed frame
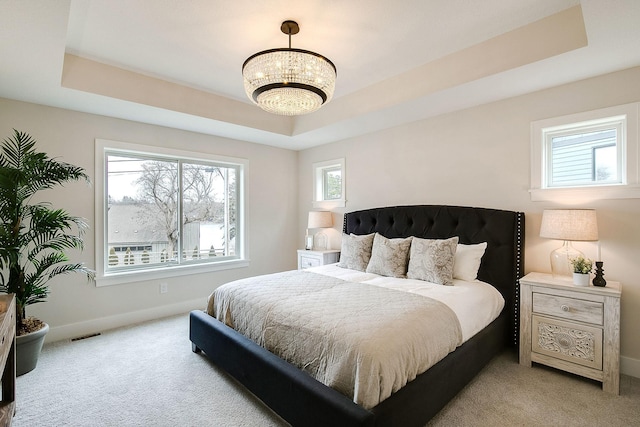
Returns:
(303,401)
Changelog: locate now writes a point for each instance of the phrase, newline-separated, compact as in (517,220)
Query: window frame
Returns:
(105,277)
(627,156)
(320,170)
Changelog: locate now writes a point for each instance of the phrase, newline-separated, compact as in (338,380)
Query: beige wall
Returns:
(480,157)
(76,307)
(477,157)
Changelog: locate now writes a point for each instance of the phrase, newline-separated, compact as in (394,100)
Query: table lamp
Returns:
(568,225)
(318,219)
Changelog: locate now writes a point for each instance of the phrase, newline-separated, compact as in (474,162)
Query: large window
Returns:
(165,210)
(590,155)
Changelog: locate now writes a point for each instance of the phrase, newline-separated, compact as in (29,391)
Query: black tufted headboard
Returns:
(503,262)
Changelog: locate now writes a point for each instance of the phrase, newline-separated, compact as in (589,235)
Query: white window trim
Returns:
(116,278)
(318,184)
(630,187)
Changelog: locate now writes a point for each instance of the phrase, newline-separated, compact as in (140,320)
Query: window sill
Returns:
(329,204)
(177,271)
(585,194)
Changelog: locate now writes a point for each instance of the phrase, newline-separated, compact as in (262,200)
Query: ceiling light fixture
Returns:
(288,81)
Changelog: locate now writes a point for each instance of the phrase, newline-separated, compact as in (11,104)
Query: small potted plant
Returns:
(581,268)
(34,236)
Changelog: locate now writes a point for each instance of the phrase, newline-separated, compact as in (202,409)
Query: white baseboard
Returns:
(629,366)
(93,326)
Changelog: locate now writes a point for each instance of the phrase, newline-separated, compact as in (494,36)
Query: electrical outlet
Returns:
(164,288)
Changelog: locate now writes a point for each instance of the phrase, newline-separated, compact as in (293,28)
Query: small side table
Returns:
(308,259)
(571,328)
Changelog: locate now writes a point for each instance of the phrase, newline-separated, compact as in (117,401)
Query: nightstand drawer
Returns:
(307,262)
(571,342)
(569,308)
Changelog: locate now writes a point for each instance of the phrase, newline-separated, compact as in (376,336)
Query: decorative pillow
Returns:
(467,261)
(355,251)
(432,260)
(389,256)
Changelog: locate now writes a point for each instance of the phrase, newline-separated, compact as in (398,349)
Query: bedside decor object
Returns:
(568,225)
(320,219)
(289,81)
(581,269)
(599,279)
(308,241)
(34,237)
(574,329)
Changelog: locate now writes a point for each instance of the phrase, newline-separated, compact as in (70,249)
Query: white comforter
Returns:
(364,341)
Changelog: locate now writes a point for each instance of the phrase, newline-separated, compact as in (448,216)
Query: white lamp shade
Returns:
(569,224)
(320,219)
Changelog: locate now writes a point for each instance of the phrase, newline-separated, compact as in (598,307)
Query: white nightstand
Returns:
(308,259)
(575,329)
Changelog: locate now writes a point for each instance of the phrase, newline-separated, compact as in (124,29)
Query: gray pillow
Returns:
(355,251)
(389,256)
(432,260)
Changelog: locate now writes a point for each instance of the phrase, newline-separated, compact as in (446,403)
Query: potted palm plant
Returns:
(34,237)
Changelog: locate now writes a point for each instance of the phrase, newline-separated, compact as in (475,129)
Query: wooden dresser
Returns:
(8,357)
(572,328)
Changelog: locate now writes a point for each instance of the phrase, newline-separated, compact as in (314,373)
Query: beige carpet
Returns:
(146,375)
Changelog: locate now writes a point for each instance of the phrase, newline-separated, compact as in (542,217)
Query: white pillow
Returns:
(431,260)
(467,261)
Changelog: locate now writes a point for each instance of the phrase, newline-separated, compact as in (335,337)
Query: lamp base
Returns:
(561,260)
(320,241)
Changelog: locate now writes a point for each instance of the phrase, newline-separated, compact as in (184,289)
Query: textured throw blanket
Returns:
(362,340)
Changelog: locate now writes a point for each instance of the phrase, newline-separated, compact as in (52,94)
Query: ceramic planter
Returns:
(581,279)
(28,349)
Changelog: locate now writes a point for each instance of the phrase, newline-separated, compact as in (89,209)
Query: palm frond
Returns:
(47,173)
(72,268)
(33,236)
(15,149)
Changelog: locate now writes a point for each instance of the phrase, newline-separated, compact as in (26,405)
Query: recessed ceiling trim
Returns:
(94,77)
(548,37)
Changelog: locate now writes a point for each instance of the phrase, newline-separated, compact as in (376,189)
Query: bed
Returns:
(302,400)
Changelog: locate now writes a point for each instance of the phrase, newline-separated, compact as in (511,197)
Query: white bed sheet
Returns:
(475,303)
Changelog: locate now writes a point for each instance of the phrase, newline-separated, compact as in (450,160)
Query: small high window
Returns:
(588,153)
(586,156)
(329,184)
(332,183)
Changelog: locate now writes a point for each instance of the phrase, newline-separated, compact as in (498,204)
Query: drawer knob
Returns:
(564,307)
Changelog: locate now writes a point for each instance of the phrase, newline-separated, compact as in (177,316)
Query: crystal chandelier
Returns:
(289,81)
